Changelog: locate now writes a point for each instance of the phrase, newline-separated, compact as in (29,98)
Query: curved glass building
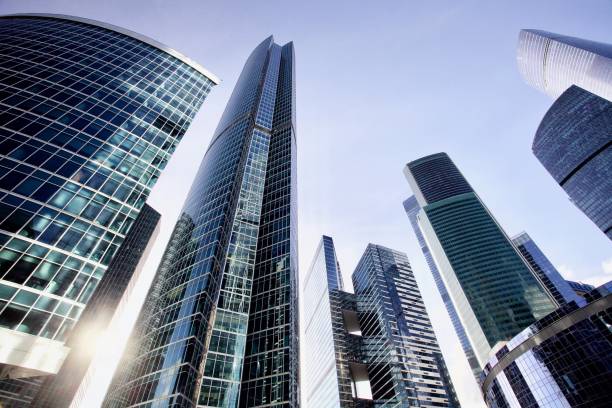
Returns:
(574,143)
(494,291)
(552,63)
(219,327)
(562,360)
(89,116)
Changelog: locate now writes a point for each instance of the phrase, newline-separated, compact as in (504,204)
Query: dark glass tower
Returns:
(493,289)
(562,360)
(375,347)
(220,325)
(124,268)
(89,116)
(554,283)
(412,208)
(574,143)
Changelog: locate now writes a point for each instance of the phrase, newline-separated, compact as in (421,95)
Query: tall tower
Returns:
(412,208)
(554,283)
(493,289)
(90,115)
(552,63)
(375,347)
(574,144)
(220,324)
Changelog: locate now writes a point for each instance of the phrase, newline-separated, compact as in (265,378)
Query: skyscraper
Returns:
(375,347)
(90,115)
(493,289)
(220,323)
(123,270)
(574,143)
(412,208)
(562,360)
(553,62)
(553,282)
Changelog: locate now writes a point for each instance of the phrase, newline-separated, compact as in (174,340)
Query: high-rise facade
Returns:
(553,282)
(115,287)
(90,115)
(375,347)
(493,289)
(327,379)
(562,360)
(580,288)
(574,144)
(412,208)
(219,327)
(552,63)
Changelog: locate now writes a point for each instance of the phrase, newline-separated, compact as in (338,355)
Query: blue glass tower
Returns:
(495,292)
(411,206)
(89,116)
(219,327)
(574,143)
(554,283)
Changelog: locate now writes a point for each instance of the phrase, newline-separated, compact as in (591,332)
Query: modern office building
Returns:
(562,360)
(580,288)
(493,289)
(114,288)
(574,144)
(375,347)
(553,282)
(219,326)
(553,62)
(412,208)
(90,114)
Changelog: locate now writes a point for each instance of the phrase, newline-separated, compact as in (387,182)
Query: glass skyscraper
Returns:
(90,114)
(125,267)
(552,63)
(574,143)
(412,208)
(493,289)
(219,327)
(553,282)
(375,347)
(562,360)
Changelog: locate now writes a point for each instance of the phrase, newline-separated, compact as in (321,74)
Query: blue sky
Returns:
(380,84)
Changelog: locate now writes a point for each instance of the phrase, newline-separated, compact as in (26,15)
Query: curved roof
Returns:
(124,31)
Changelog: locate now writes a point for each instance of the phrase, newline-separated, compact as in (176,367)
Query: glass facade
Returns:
(89,116)
(60,389)
(574,143)
(412,208)
(327,379)
(493,289)
(220,324)
(552,63)
(580,288)
(554,283)
(562,360)
(404,363)
(375,347)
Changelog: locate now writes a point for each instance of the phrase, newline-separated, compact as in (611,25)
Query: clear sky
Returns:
(380,84)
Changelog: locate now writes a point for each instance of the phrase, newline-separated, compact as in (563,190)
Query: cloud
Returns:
(567,272)
(607,266)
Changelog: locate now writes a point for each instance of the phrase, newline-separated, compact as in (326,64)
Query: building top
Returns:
(124,31)
(600,48)
(434,178)
(552,63)
(572,132)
